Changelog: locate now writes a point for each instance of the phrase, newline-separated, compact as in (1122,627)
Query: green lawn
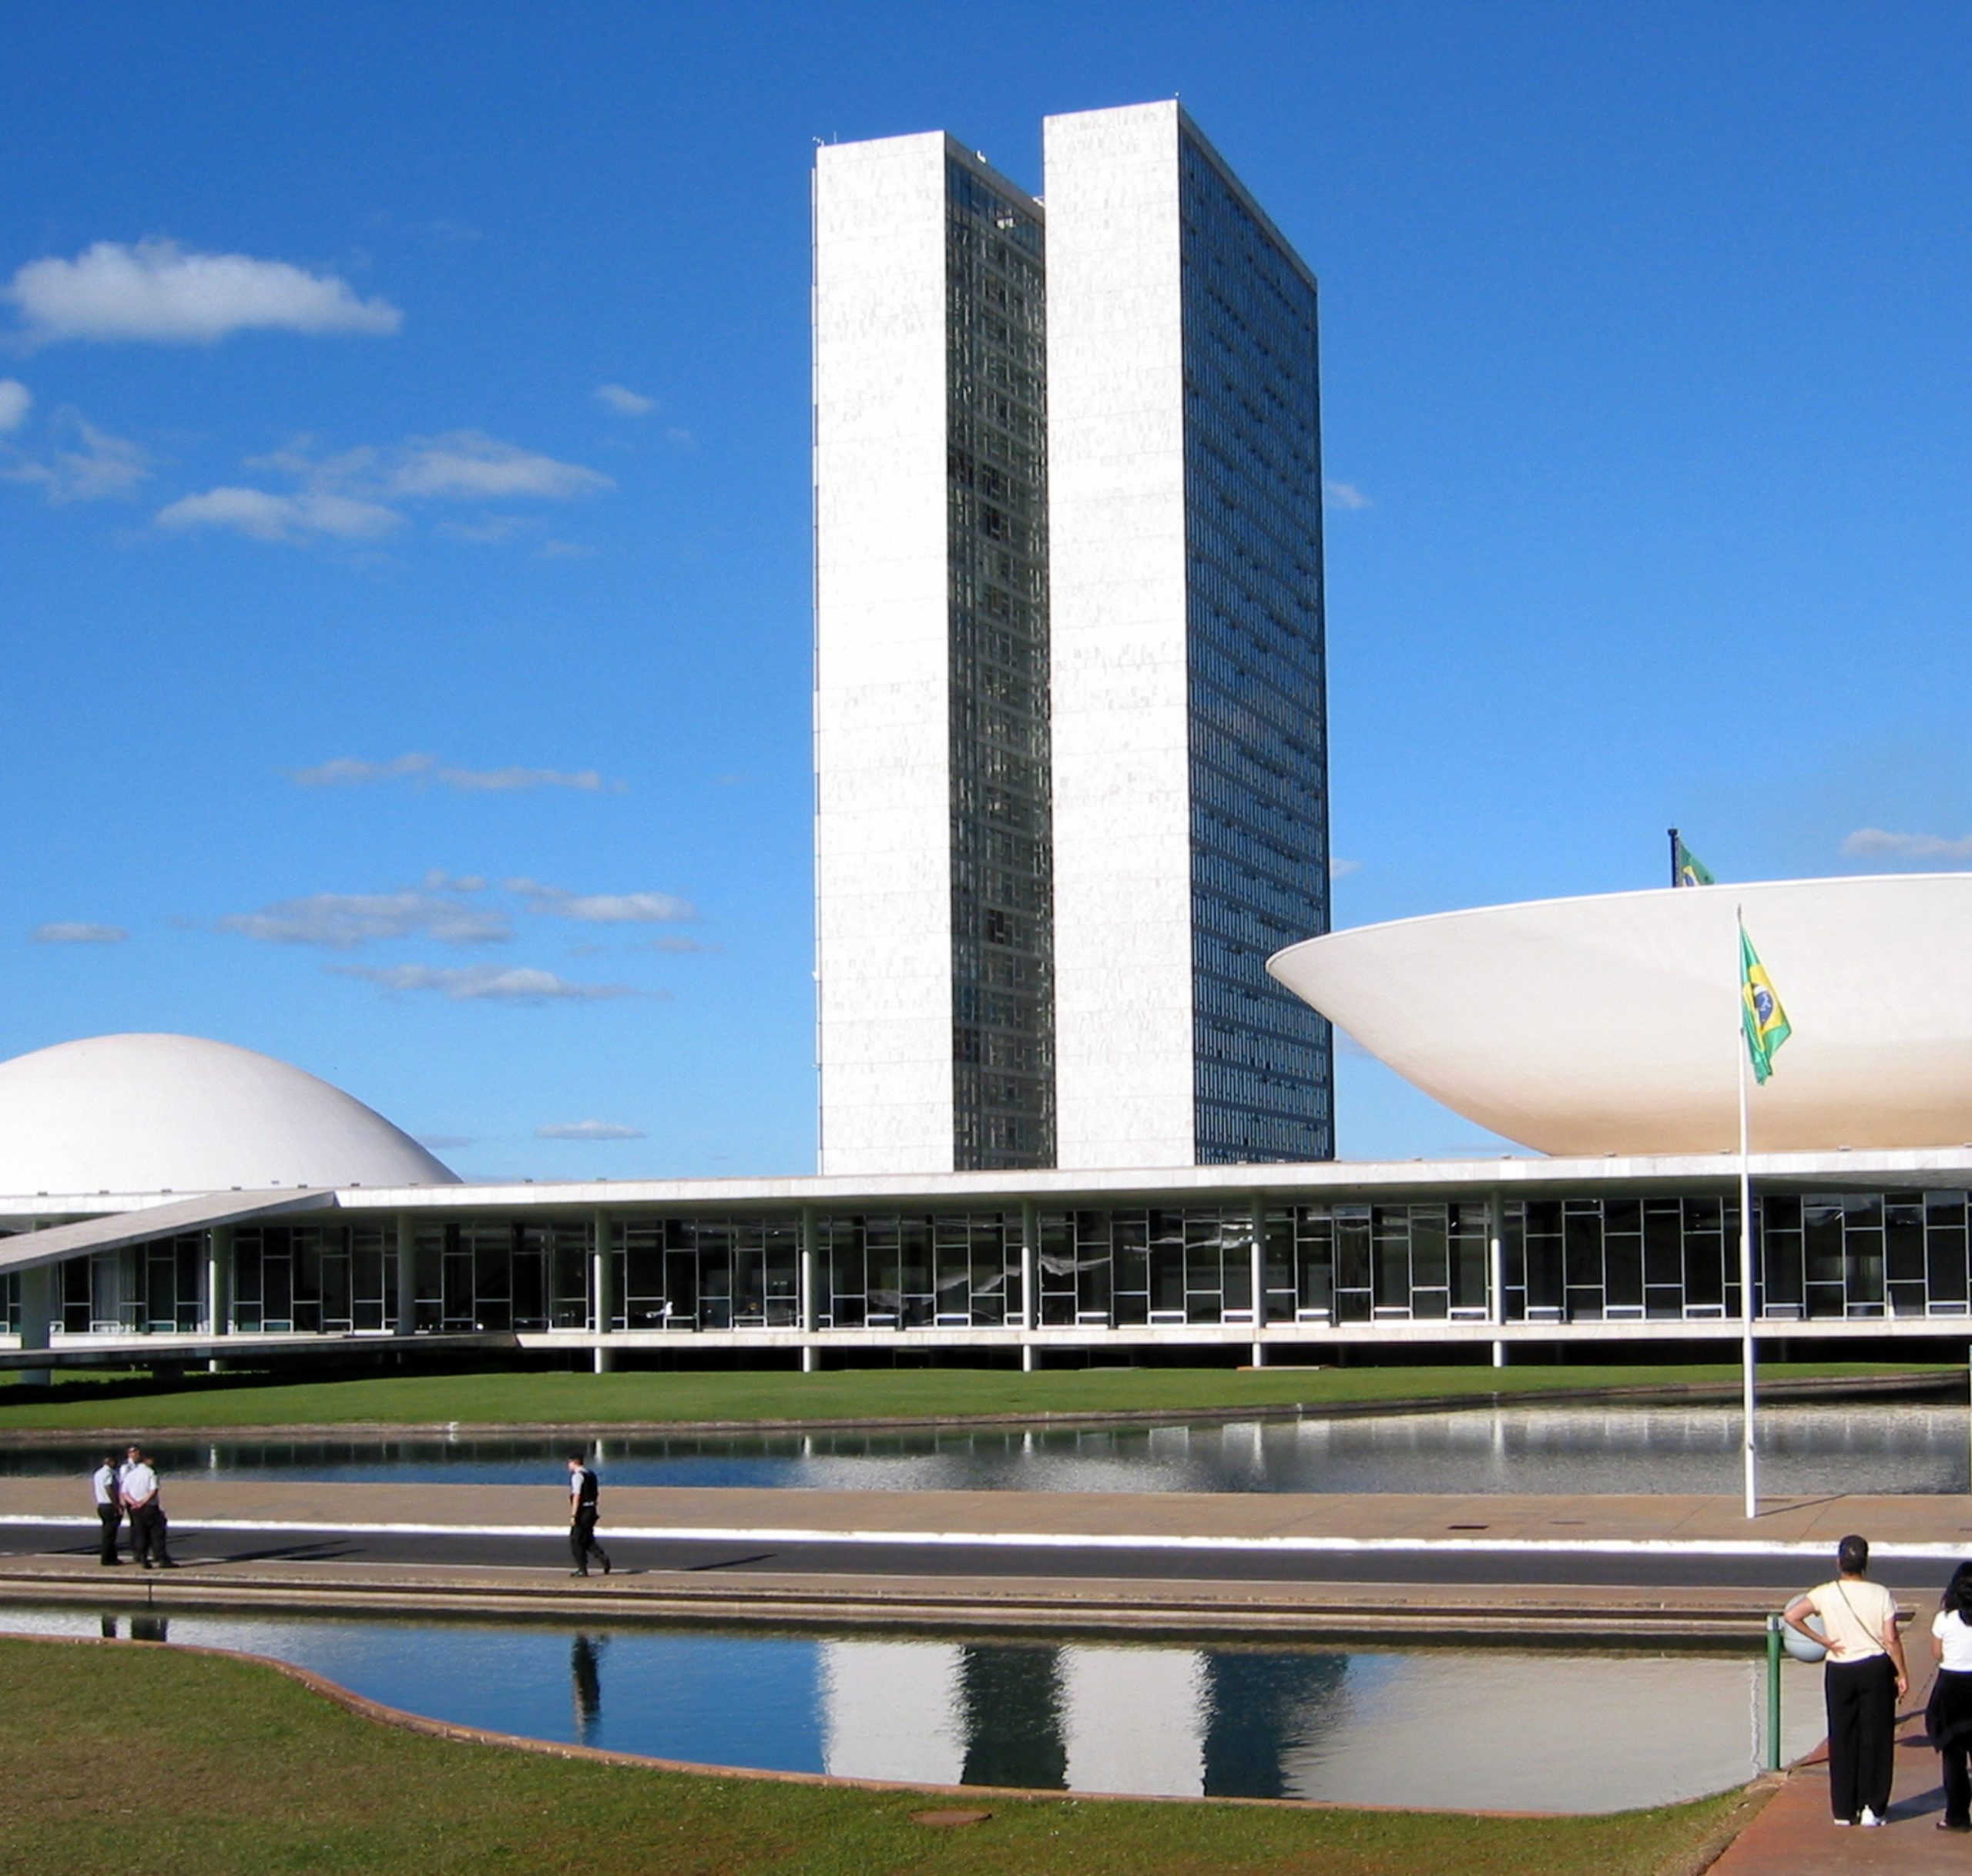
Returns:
(509,1398)
(137,1756)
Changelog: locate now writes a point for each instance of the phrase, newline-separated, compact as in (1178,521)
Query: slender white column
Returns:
(218,1288)
(1257,1219)
(219,1280)
(1030,1267)
(808,1302)
(1496,1268)
(601,1303)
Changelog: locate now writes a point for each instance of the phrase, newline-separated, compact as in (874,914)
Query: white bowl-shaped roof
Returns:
(1611,1024)
(152,1114)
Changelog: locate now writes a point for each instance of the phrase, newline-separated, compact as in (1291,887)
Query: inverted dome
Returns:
(153,1113)
(1611,1025)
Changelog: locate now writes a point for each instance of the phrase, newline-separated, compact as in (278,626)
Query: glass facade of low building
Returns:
(1333,1264)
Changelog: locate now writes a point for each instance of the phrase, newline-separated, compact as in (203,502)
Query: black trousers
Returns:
(1862,1730)
(1949,1719)
(581,1539)
(147,1533)
(112,1518)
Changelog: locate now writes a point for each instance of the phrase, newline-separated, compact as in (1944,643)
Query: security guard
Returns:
(139,1490)
(109,1507)
(583,1494)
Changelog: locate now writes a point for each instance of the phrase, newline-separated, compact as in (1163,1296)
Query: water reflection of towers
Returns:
(1197,1722)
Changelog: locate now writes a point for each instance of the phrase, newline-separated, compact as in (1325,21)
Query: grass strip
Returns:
(209,1766)
(535,1398)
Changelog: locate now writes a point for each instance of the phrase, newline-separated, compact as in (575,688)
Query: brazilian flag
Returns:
(1765,1023)
(1690,870)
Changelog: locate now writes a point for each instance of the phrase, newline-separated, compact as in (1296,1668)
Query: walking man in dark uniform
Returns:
(109,1506)
(583,1494)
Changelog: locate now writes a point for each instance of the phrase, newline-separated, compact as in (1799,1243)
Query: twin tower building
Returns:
(1070,688)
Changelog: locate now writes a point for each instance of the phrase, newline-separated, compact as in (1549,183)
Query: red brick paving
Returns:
(1794,1835)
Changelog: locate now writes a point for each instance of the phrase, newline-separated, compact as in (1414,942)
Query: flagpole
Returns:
(1750,1454)
(1675,879)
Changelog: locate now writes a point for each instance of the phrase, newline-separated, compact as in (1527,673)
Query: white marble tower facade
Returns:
(1070,721)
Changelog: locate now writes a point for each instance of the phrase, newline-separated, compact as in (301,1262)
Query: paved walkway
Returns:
(1626,1569)
(1794,1835)
(1933,1526)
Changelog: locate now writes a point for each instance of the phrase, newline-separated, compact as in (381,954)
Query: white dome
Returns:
(1611,1024)
(154,1114)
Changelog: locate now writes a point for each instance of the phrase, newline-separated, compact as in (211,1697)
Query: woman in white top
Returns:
(1948,1718)
(1864,1679)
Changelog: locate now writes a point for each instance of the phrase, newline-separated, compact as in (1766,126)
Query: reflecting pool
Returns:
(1805,1448)
(1492,1729)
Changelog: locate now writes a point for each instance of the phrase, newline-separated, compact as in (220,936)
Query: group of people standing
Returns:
(1866,1675)
(128,1487)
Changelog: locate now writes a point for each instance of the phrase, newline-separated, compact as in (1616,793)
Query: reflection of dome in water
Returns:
(152,1114)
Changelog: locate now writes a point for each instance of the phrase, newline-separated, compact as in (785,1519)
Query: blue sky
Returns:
(407,618)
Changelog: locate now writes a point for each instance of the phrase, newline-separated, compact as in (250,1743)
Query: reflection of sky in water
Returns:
(1807,1449)
(1465,1729)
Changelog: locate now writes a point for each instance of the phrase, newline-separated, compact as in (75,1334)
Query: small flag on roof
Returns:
(1686,868)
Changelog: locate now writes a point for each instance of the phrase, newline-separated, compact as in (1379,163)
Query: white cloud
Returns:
(469,465)
(624,401)
(588,1130)
(1878,844)
(483,982)
(603,908)
(680,946)
(351,495)
(311,515)
(342,921)
(79,934)
(353,772)
(1342,869)
(495,781)
(155,290)
(93,465)
(15,401)
(1345,495)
